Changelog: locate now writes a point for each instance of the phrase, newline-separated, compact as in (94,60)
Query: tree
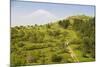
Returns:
(64,23)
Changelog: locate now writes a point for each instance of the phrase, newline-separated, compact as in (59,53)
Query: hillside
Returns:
(69,40)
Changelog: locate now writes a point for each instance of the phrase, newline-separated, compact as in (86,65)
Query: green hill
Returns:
(69,40)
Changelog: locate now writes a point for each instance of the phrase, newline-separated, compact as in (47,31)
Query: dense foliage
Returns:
(45,44)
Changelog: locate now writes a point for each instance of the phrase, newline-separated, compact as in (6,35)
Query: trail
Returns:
(73,55)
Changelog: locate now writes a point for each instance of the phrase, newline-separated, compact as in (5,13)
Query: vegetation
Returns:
(65,41)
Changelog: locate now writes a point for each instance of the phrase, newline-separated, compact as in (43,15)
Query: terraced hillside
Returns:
(69,40)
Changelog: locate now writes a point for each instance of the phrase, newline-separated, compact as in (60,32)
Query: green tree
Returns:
(64,23)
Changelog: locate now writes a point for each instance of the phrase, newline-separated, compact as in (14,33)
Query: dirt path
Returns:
(73,55)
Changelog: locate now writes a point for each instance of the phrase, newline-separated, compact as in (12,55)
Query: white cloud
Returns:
(37,17)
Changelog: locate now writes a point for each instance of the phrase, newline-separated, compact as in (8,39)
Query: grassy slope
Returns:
(44,55)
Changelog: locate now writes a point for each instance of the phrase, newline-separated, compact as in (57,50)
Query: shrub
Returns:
(20,44)
(56,58)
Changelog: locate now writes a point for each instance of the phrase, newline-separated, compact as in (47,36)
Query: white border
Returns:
(4,33)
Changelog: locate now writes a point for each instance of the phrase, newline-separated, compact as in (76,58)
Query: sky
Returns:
(30,13)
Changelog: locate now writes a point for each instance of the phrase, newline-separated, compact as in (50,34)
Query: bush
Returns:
(30,47)
(17,60)
(21,44)
(76,41)
(31,59)
(56,58)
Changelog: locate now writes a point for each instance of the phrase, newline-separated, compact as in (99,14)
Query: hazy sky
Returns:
(25,13)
